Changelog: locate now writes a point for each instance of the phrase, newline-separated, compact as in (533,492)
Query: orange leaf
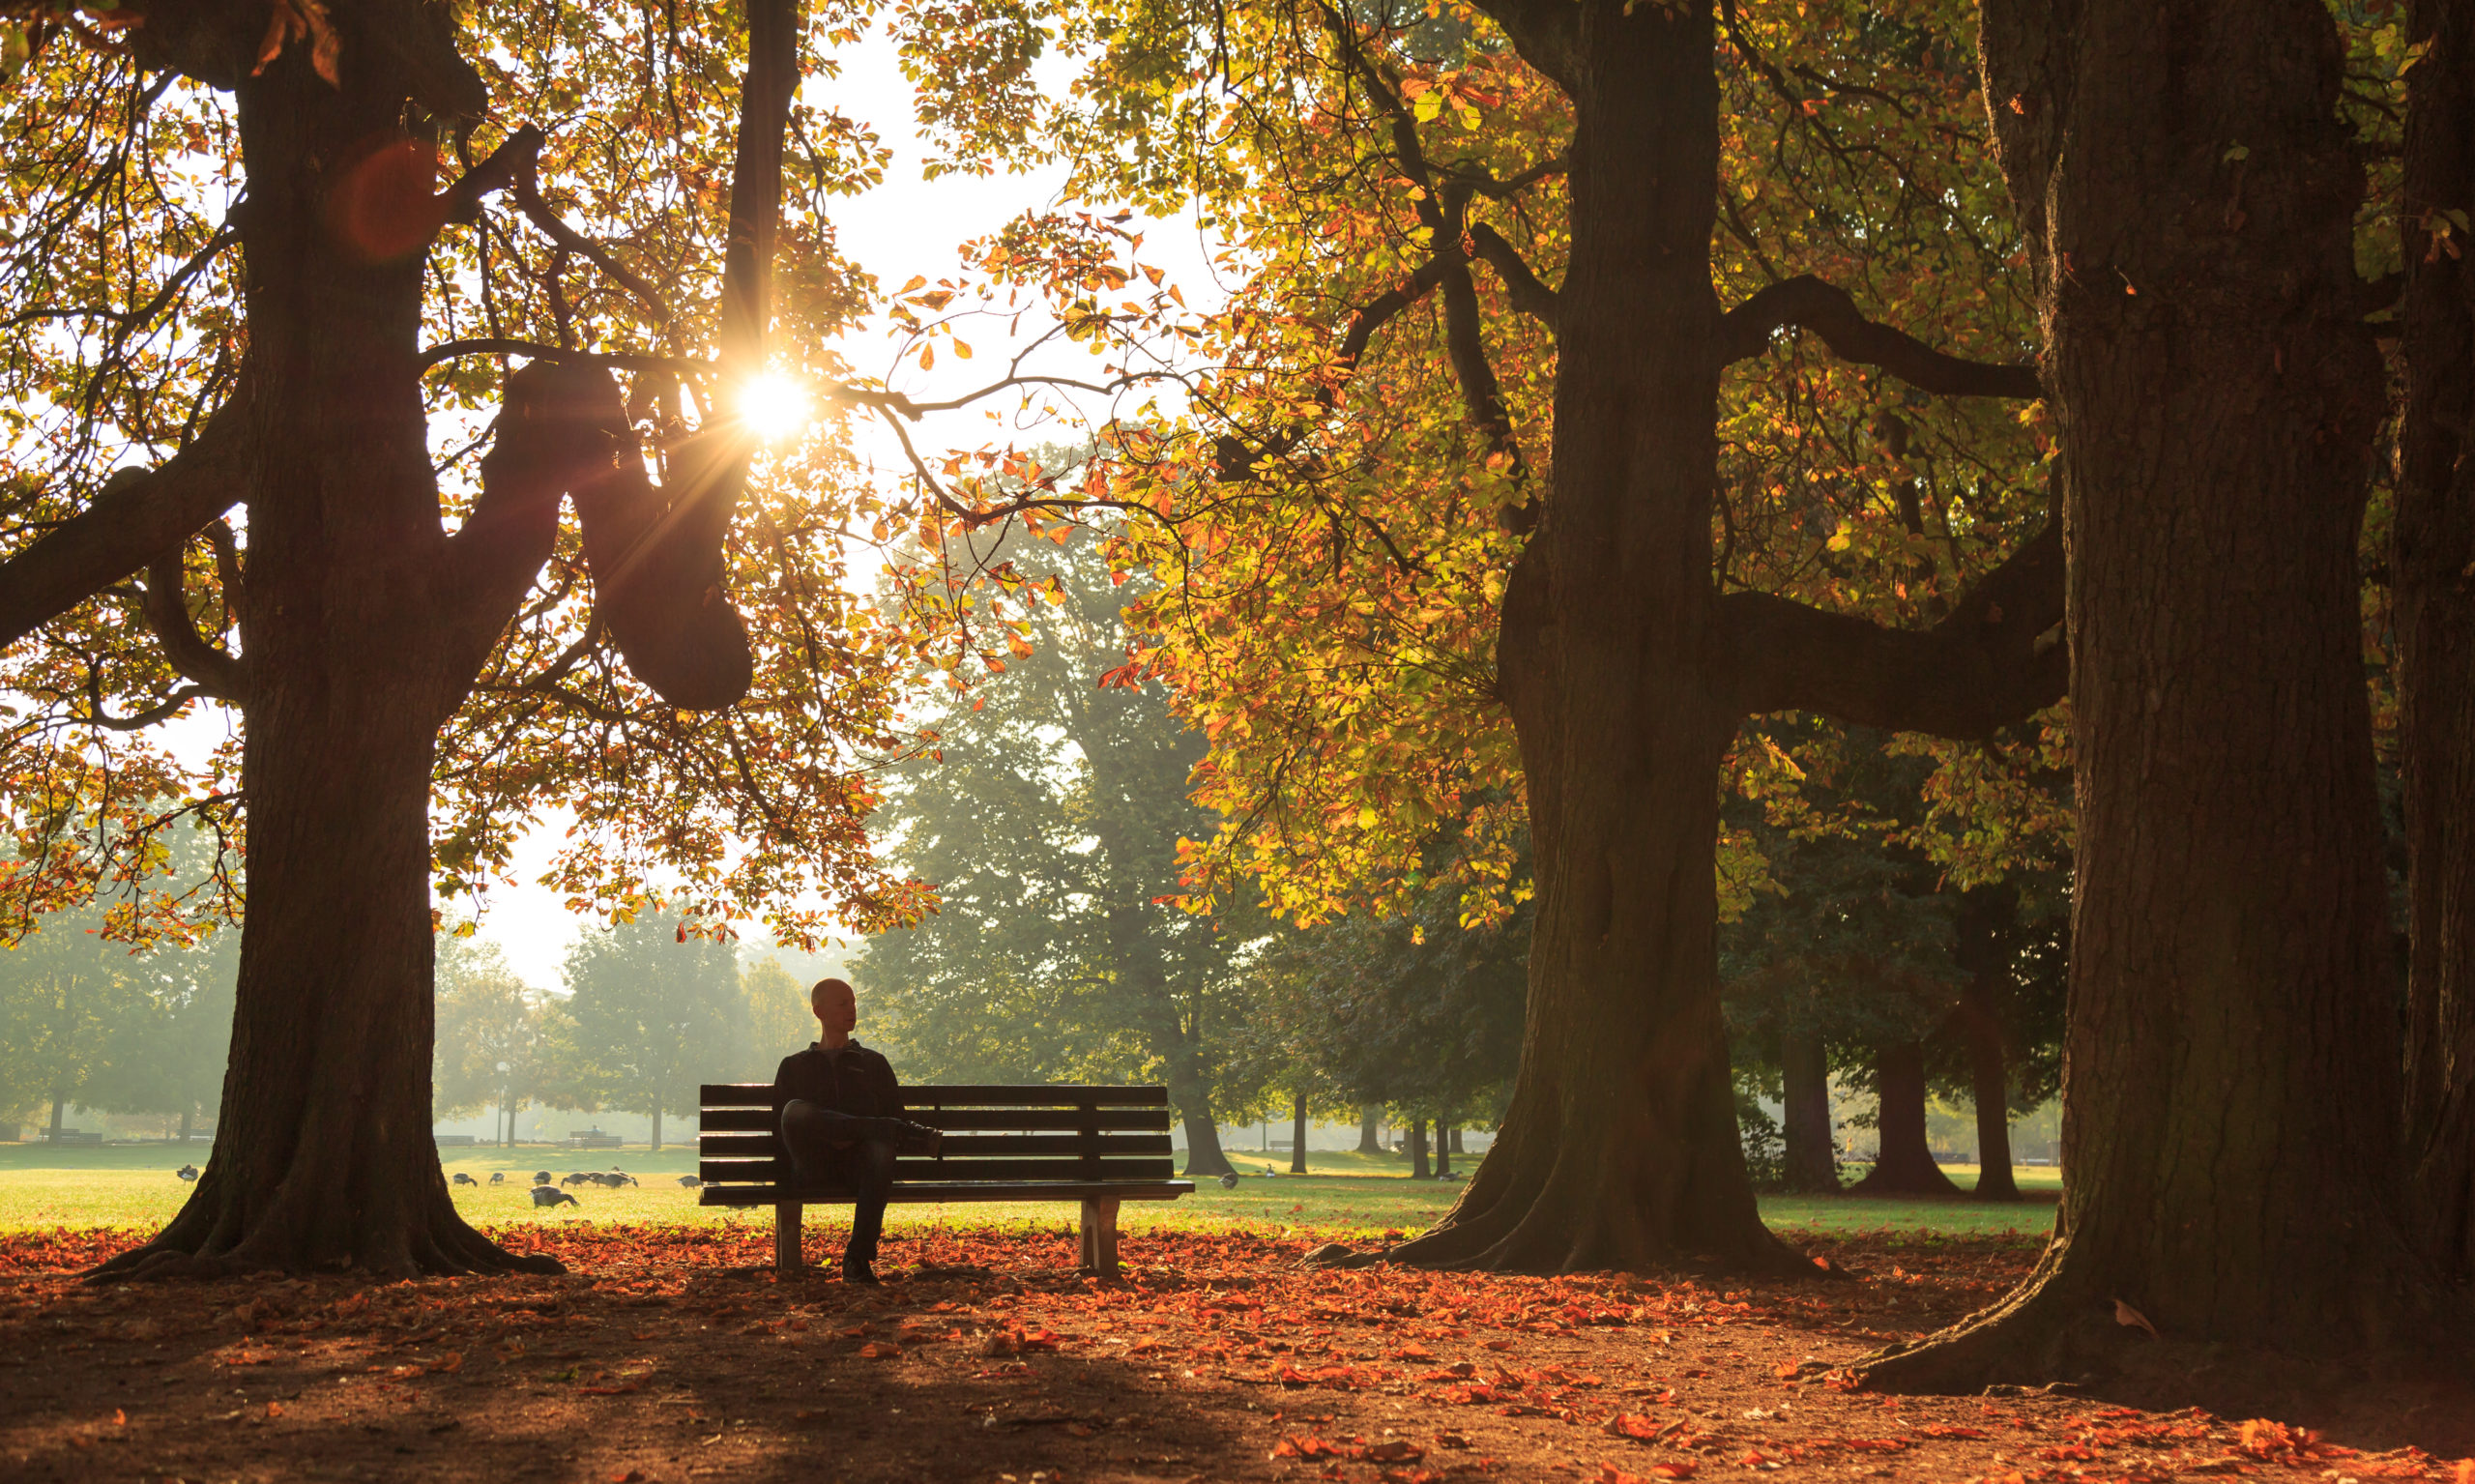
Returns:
(879,1350)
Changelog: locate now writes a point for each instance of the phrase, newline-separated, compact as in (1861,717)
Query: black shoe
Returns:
(859,1272)
(919,1139)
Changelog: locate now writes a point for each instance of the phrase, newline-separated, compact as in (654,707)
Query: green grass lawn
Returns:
(1352,1196)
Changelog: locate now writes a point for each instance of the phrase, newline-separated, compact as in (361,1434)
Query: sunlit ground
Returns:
(1366,1195)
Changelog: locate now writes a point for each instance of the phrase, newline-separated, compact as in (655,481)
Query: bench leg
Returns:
(1100,1238)
(787,1260)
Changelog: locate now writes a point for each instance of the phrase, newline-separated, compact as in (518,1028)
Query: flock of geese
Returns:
(545,1192)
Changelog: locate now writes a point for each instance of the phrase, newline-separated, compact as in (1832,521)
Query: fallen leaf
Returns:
(2132,1318)
(879,1350)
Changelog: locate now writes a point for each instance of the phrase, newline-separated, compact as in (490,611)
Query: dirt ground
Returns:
(668,1354)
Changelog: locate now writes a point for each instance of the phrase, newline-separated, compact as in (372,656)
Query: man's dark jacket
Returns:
(853,1080)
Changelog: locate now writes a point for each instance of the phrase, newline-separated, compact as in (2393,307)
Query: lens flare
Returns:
(774,408)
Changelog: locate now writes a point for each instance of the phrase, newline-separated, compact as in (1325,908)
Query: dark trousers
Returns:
(857,1154)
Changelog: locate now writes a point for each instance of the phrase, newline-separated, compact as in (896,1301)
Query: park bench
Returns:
(1099,1145)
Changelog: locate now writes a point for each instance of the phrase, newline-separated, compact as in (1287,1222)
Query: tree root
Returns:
(451,1249)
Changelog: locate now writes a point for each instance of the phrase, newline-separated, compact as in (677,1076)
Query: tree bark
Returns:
(2231,1086)
(360,650)
(1812,1155)
(1298,1137)
(1370,1131)
(1455,1139)
(657,1138)
(1619,1147)
(1904,1165)
(185,1127)
(1443,1153)
(59,1110)
(2434,549)
(1418,1170)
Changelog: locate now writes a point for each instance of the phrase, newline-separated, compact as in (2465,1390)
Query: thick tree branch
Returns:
(550,438)
(1809,303)
(213,670)
(514,160)
(756,182)
(1997,660)
(138,515)
(1529,295)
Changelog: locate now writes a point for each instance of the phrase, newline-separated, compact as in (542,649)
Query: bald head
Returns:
(838,1011)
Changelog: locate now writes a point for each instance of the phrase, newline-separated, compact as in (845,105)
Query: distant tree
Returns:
(649,1014)
(1843,953)
(1903,937)
(778,1019)
(491,1041)
(165,1052)
(63,991)
(1049,826)
(1417,1012)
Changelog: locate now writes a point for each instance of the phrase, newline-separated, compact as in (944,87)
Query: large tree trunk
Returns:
(1986,919)
(2230,1085)
(656,1136)
(1370,1131)
(1298,1137)
(2435,628)
(1812,1155)
(1989,1084)
(1904,1165)
(1418,1150)
(1619,1148)
(59,1112)
(1205,1160)
(1453,1138)
(1443,1153)
(353,668)
(185,1127)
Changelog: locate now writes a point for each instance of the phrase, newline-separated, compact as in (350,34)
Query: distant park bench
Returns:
(590,1139)
(1099,1145)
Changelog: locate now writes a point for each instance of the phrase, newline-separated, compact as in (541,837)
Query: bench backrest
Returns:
(993,1134)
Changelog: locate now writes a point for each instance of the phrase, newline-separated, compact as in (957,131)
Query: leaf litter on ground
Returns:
(670,1352)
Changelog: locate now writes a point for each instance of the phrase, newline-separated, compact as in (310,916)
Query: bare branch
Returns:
(213,670)
(527,197)
(1809,303)
(1529,295)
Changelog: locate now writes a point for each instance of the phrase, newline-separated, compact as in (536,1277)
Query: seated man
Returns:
(839,1110)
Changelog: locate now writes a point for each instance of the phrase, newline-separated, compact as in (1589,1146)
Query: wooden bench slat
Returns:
(754,1146)
(967,1171)
(921,1194)
(1146,1121)
(760,1094)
